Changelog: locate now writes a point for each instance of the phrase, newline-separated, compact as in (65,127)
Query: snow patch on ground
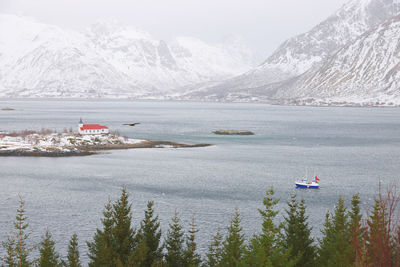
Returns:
(59,142)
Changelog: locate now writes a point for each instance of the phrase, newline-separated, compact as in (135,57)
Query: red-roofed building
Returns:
(92,128)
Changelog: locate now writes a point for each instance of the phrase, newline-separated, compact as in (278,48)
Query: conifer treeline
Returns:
(348,239)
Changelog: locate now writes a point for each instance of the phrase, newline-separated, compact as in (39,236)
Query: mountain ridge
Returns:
(303,53)
(367,69)
(108,60)
(350,57)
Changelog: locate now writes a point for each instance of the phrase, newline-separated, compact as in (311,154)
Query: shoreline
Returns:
(271,102)
(94,149)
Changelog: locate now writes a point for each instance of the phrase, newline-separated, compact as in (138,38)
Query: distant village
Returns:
(332,103)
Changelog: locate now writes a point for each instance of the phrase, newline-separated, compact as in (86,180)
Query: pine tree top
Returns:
(73,252)
(48,255)
(174,243)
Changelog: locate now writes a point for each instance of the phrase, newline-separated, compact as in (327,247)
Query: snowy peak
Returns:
(107,60)
(114,29)
(303,53)
(163,65)
(43,60)
(366,69)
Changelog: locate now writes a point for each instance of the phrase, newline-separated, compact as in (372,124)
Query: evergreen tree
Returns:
(48,256)
(122,231)
(174,256)
(150,233)
(291,224)
(325,241)
(335,248)
(215,249)
(306,241)
(342,248)
(100,251)
(191,257)
(378,247)
(10,258)
(267,248)
(114,245)
(73,253)
(298,234)
(20,226)
(233,246)
(357,232)
(16,246)
(139,256)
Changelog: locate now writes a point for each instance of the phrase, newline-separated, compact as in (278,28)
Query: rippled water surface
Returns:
(351,149)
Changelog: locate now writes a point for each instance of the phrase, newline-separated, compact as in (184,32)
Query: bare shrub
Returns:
(116,133)
(382,236)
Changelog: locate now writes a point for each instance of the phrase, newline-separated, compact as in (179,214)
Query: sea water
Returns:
(351,150)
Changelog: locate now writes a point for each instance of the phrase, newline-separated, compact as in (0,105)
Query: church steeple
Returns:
(80,125)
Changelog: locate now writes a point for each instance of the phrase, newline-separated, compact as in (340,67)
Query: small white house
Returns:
(92,128)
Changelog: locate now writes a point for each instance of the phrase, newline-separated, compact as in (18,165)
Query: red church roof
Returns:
(93,127)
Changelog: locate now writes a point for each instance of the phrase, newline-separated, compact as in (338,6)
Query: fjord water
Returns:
(350,149)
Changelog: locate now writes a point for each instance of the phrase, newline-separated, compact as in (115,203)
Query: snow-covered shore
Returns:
(72,144)
(57,143)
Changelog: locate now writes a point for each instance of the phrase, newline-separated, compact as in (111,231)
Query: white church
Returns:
(92,128)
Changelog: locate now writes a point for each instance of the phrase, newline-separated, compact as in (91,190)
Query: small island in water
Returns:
(7,109)
(233,132)
(48,143)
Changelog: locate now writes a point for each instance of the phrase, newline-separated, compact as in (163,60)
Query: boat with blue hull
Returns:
(308,185)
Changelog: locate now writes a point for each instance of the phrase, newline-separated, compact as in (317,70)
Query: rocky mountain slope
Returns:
(353,56)
(302,53)
(108,60)
(366,70)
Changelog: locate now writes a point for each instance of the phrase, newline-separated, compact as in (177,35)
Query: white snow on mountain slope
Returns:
(109,60)
(38,60)
(162,65)
(302,52)
(306,51)
(368,69)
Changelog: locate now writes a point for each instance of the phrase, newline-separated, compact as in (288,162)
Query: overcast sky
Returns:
(263,24)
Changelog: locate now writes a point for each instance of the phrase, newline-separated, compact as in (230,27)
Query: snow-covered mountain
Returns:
(108,60)
(42,60)
(366,70)
(164,66)
(352,56)
(302,53)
